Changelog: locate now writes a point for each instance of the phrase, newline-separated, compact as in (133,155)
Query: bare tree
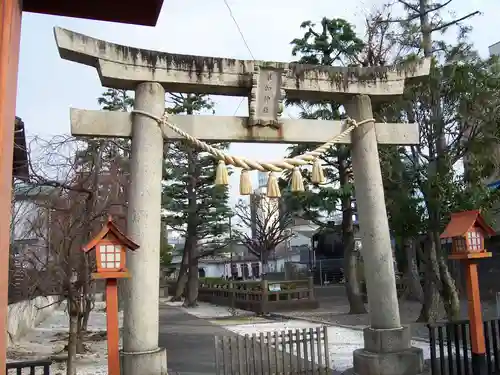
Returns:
(269,226)
(87,185)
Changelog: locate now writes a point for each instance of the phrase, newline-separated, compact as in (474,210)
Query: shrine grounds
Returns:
(188,334)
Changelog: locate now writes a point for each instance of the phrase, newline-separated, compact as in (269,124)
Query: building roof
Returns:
(461,222)
(494,49)
(20,167)
(145,12)
(110,227)
(25,191)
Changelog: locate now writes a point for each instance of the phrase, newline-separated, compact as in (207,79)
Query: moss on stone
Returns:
(340,77)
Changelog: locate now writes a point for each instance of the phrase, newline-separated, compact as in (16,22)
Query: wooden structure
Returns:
(144,13)
(260,296)
(20,167)
(299,351)
(467,231)
(34,367)
(110,246)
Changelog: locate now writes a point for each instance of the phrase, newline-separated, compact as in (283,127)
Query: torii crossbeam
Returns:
(387,344)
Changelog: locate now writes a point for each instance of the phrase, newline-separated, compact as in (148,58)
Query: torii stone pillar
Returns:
(141,354)
(387,349)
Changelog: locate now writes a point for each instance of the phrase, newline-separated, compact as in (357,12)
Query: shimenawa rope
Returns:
(247,165)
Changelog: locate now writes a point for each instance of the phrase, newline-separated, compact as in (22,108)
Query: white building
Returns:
(494,49)
(30,224)
(241,266)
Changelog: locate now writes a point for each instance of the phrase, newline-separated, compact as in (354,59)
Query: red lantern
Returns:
(110,245)
(467,231)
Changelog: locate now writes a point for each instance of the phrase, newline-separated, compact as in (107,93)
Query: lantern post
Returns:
(110,246)
(466,231)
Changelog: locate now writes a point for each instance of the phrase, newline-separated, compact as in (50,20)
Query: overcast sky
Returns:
(49,86)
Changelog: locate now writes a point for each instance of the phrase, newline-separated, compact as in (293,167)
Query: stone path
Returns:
(342,341)
(334,309)
(189,341)
(189,338)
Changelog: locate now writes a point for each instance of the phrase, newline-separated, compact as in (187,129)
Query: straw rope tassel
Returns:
(221,174)
(245,183)
(273,189)
(318,177)
(297,181)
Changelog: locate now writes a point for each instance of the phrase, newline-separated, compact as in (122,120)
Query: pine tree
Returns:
(332,42)
(116,152)
(193,204)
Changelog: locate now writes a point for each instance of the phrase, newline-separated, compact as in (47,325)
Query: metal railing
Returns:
(450,347)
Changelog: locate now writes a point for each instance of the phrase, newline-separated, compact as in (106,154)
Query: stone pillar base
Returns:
(388,352)
(144,363)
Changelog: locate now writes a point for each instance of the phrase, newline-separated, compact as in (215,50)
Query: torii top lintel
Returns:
(123,67)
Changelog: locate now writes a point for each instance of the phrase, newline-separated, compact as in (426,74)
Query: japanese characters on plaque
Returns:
(266,96)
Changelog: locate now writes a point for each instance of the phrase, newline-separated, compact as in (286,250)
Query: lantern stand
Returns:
(110,245)
(466,232)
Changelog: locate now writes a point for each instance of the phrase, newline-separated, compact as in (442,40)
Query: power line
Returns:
(244,41)
(239,29)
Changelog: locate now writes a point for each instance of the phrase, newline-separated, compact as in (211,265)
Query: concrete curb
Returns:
(276,316)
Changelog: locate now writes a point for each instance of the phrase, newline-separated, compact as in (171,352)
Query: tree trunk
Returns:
(430,308)
(352,282)
(412,275)
(89,305)
(73,337)
(192,283)
(264,258)
(447,287)
(182,278)
(191,299)
(80,348)
(449,293)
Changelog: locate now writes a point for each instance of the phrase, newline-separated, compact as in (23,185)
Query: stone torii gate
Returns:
(387,349)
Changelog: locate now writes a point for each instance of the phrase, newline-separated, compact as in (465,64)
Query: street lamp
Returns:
(231,245)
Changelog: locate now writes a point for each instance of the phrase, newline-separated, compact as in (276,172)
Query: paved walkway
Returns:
(189,341)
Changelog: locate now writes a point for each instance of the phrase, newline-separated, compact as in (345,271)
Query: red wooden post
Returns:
(110,244)
(474,307)
(10,37)
(112,326)
(466,232)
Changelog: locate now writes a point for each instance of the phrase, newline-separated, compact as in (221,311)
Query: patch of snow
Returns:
(341,341)
(49,339)
(208,311)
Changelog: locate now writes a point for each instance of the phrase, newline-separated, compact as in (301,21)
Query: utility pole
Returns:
(231,247)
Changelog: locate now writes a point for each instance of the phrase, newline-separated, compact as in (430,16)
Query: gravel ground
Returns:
(334,310)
